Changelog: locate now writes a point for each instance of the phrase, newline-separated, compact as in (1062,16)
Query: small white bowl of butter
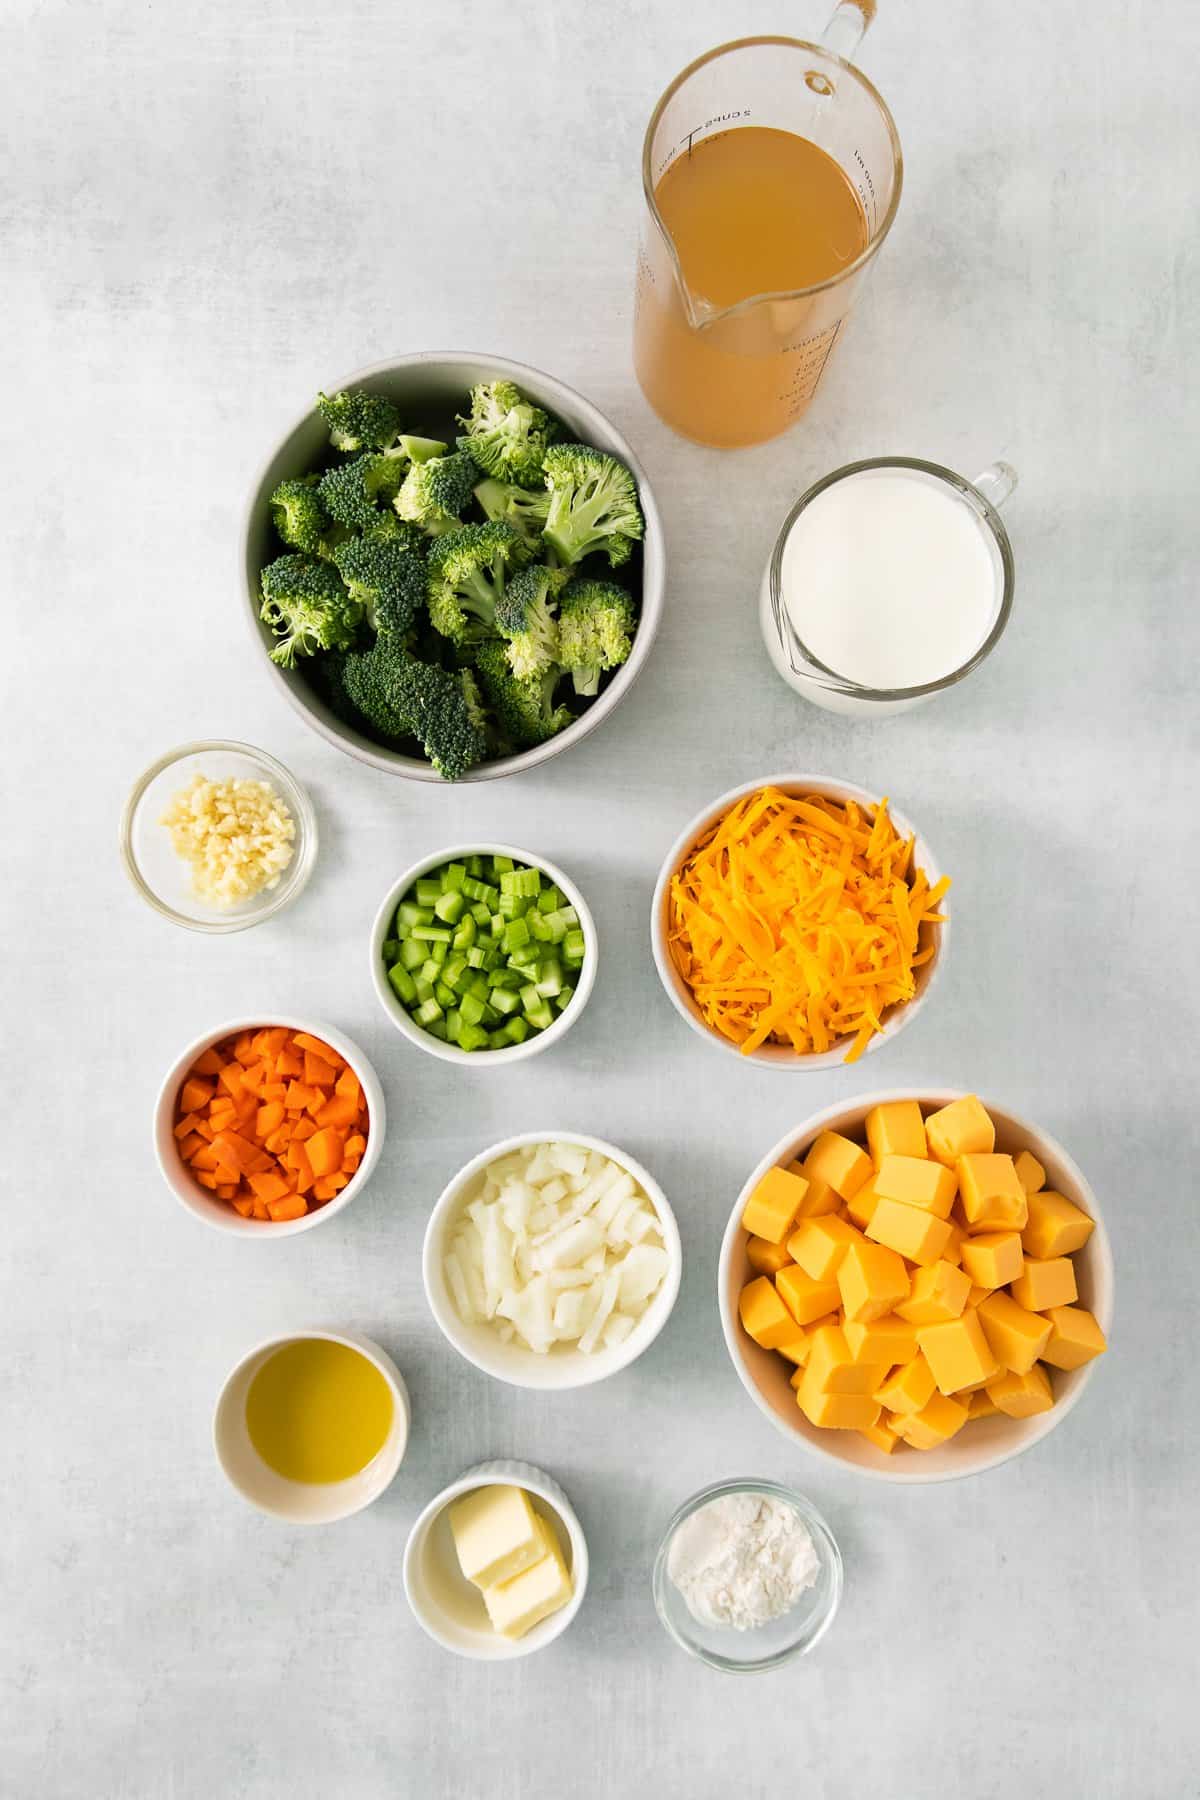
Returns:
(542,1542)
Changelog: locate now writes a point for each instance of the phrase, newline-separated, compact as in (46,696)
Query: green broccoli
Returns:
(434,492)
(524,710)
(307,607)
(386,578)
(595,630)
(351,491)
(421,449)
(467,572)
(593,504)
(299,513)
(506,434)
(525,616)
(445,714)
(389,528)
(358,420)
(524,509)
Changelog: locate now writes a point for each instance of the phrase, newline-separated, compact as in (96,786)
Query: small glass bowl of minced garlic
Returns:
(748,1575)
(218,836)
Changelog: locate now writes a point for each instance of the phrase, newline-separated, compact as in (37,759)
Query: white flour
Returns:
(742,1560)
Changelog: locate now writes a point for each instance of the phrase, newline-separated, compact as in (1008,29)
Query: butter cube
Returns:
(1075,1337)
(766,1258)
(860,1208)
(773,1205)
(804,1299)
(764,1316)
(992,1197)
(935,1424)
(1055,1227)
(912,1233)
(958,1353)
(1042,1285)
(882,1436)
(908,1389)
(938,1293)
(1016,1337)
(820,1198)
(517,1605)
(1030,1172)
(993,1259)
(872,1280)
(959,1129)
(896,1129)
(843,1164)
(888,1340)
(833,1370)
(1020,1396)
(818,1245)
(836,1412)
(495,1532)
(916,1182)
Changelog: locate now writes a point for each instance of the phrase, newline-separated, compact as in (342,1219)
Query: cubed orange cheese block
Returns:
(938,1293)
(835,1412)
(992,1197)
(872,1280)
(843,1164)
(796,1349)
(954,1243)
(882,1436)
(895,1128)
(957,1352)
(959,1129)
(993,1259)
(915,1234)
(977,1294)
(1055,1226)
(820,1198)
(981,1405)
(888,1340)
(1020,1396)
(766,1258)
(805,1300)
(1075,1337)
(1017,1337)
(773,1205)
(764,1316)
(833,1369)
(923,1184)
(1030,1172)
(818,1245)
(935,1424)
(796,1376)
(908,1389)
(860,1209)
(1042,1285)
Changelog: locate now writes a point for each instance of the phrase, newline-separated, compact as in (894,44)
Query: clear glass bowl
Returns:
(766,1646)
(163,879)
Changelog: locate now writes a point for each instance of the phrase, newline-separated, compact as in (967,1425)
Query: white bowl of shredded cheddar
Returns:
(799,922)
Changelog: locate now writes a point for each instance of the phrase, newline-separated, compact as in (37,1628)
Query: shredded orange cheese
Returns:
(801,921)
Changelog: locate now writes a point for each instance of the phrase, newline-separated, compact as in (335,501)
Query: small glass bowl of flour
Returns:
(747,1576)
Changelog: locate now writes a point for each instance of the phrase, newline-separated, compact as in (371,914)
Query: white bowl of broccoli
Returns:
(454,566)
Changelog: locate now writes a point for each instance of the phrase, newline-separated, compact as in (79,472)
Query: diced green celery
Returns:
(408,914)
(557,925)
(444,995)
(424,987)
(453,1024)
(471,1007)
(450,906)
(476,866)
(403,983)
(480,890)
(465,933)
(428,890)
(527,958)
(496,925)
(482,957)
(517,1029)
(563,1000)
(549,977)
(452,968)
(472,1037)
(507,978)
(428,1011)
(391,950)
(530,998)
(505,1001)
(522,882)
(568,915)
(574,949)
(502,865)
(432,934)
(437,1028)
(541,1016)
(481,913)
(550,899)
(430,970)
(453,876)
(538,927)
(438,953)
(516,935)
(412,954)
(499,1039)
(479,985)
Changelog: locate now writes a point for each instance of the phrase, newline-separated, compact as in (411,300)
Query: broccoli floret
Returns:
(307,607)
(443,706)
(351,491)
(299,513)
(506,434)
(434,492)
(467,572)
(595,630)
(370,679)
(389,528)
(593,504)
(525,616)
(525,509)
(524,710)
(386,578)
(358,420)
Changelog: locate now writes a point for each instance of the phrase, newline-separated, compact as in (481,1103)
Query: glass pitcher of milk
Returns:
(890,580)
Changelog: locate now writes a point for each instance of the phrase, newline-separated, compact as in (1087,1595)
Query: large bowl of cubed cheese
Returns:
(917,1284)
(552,1260)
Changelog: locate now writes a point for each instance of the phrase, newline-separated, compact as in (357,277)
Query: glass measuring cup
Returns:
(743,372)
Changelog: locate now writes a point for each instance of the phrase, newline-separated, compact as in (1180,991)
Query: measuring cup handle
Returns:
(996,483)
(845,31)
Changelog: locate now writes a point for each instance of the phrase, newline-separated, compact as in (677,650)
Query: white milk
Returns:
(890,578)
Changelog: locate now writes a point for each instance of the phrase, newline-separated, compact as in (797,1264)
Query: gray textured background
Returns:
(206,213)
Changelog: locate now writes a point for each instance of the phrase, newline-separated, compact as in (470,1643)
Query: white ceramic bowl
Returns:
(217,1213)
(561,1367)
(481,1059)
(429,388)
(778,1056)
(448,1606)
(303,1502)
(983,1443)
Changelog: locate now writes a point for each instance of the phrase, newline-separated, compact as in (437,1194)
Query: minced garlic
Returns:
(238,837)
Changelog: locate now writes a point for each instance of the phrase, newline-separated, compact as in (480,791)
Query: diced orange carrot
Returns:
(348,1086)
(304,1040)
(244,1206)
(273,1090)
(187,1125)
(350,1163)
(260,1210)
(296,1156)
(298,1096)
(227,1189)
(205,1179)
(205,1158)
(316,1100)
(278,1141)
(195,1095)
(204,1129)
(323,1189)
(230,1079)
(243,1050)
(338,1111)
(318,1072)
(231,1147)
(190,1145)
(339,1181)
(270,1118)
(325,1151)
(305,1128)
(291,1206)
(268,1186)
(288,1065)
(207,1063)
(355,1144)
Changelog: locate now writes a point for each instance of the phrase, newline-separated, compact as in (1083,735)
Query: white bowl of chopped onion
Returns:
(552,1260)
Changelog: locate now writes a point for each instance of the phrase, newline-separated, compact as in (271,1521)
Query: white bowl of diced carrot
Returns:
(916,1284)
(798,922)
(268,1128)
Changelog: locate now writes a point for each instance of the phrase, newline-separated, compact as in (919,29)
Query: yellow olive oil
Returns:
(317,1411)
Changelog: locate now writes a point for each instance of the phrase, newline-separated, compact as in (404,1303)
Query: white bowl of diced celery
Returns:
(484,954)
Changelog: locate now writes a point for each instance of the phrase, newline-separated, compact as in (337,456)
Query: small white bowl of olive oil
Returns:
(313,1426)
